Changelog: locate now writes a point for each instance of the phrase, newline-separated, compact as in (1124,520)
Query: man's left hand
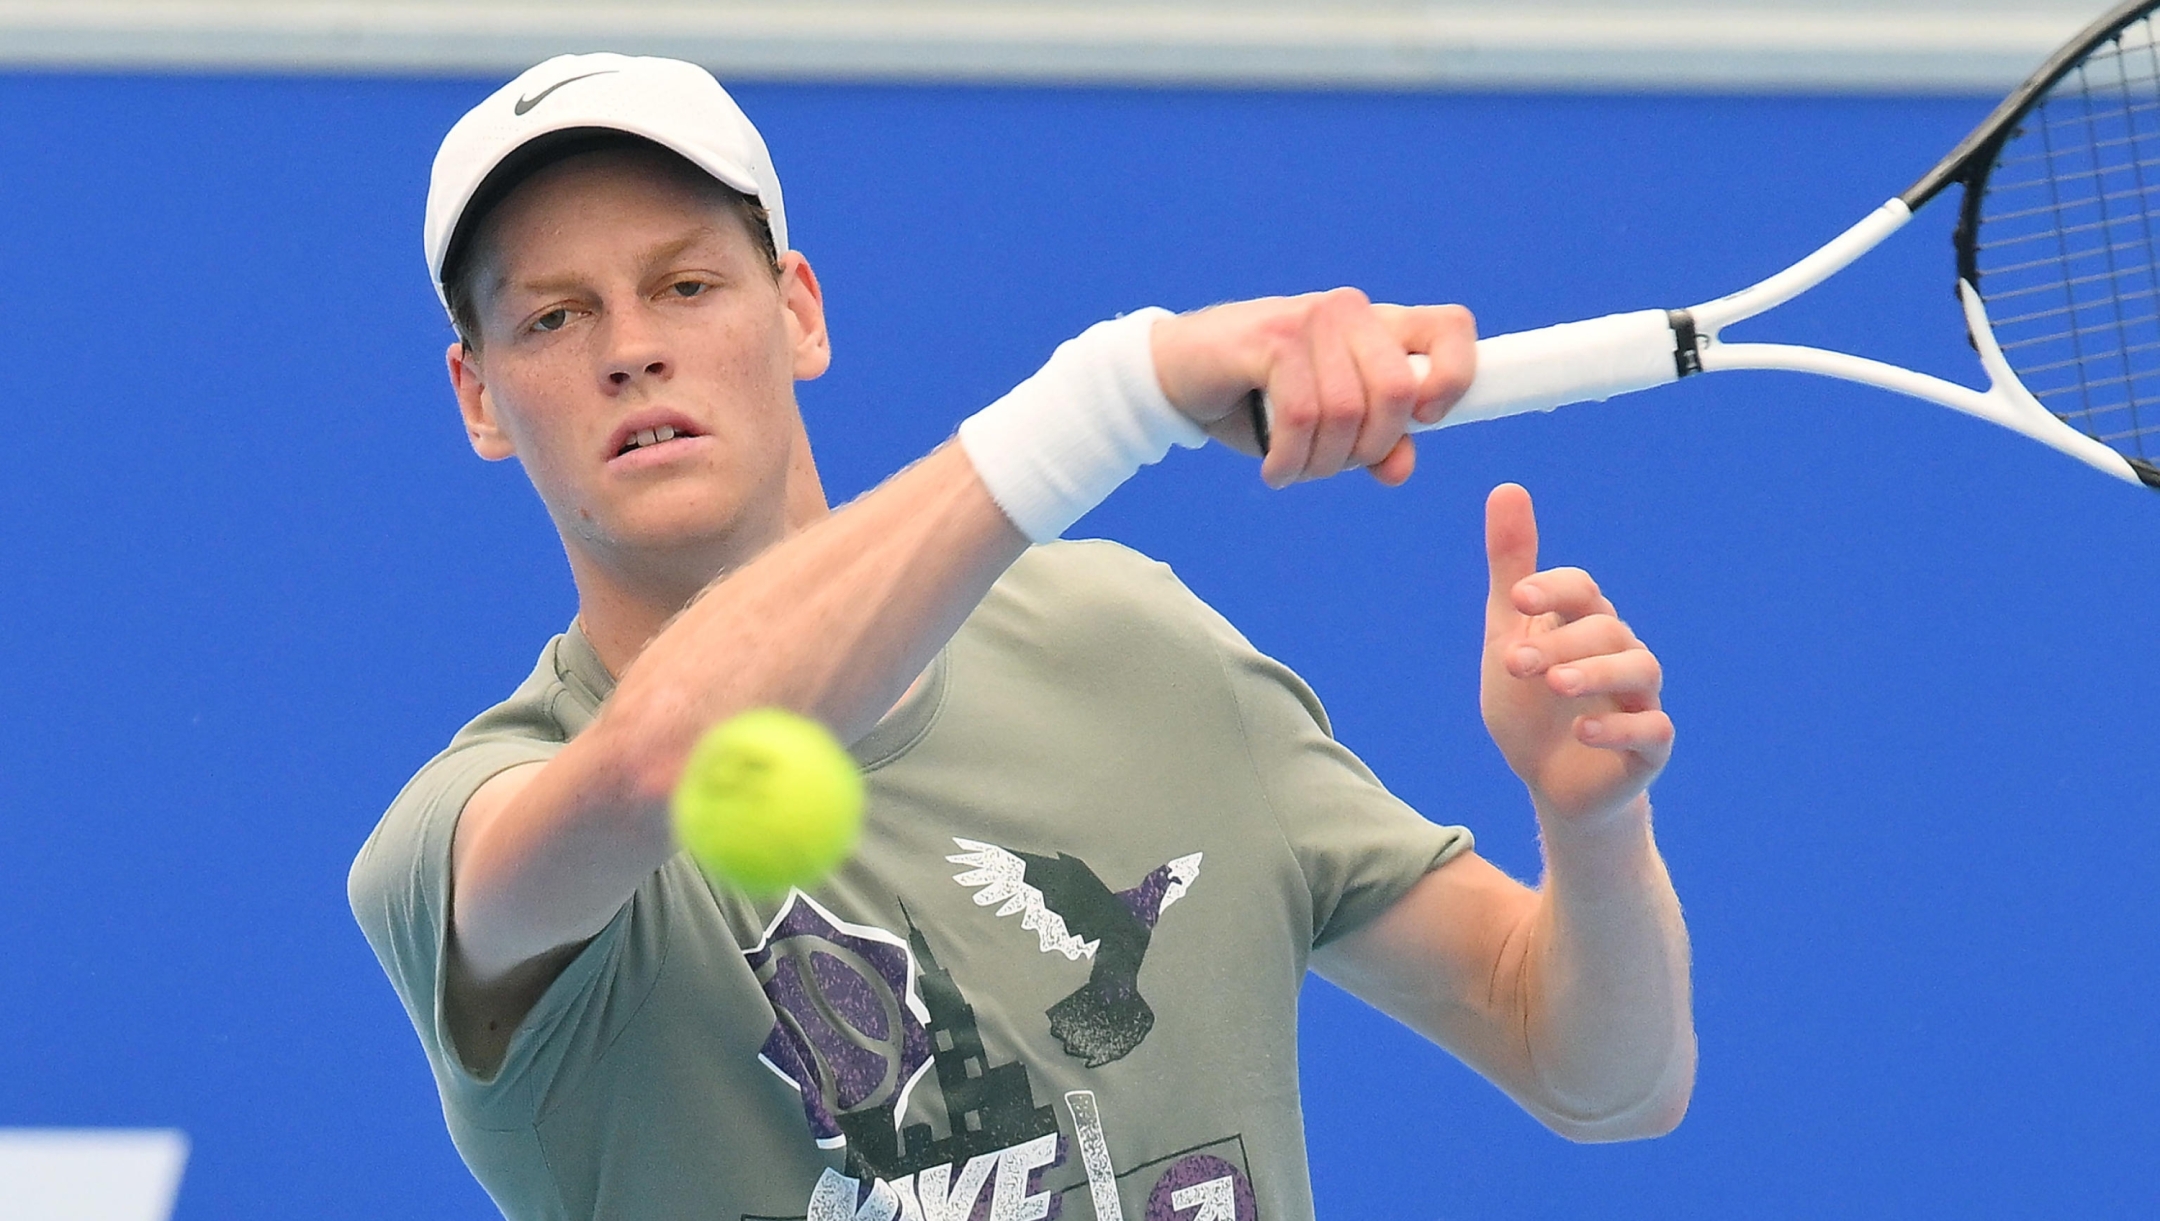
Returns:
(1569,694)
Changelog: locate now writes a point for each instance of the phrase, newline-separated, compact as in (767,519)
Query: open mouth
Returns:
(645,438)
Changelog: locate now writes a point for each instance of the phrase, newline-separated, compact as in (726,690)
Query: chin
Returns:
(654,525)
(663,533)
(709,519)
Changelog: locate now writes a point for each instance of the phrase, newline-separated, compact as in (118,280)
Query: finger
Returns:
(1394,470)
(1543,648)
(1341,389)
(1250,434)
(1294,399)
(1237,430)
(1649,734)
(1510,550)
(1631,677)
(1447,335)
(1390,389)
(1569,593)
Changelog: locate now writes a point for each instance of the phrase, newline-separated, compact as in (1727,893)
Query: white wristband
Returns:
(1088,420)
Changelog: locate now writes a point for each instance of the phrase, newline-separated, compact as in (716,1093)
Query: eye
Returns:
(688,288)
(553,320)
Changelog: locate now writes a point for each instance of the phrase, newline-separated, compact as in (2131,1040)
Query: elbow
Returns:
(1657,1117)
(1667,1115)
(1654,1114)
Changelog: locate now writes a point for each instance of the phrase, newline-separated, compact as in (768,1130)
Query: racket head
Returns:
(2059,231)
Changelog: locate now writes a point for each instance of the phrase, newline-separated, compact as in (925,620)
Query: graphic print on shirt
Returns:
(1073,913)
(1208,1183)
(860,1017)
(849,1032)
(1202,1187)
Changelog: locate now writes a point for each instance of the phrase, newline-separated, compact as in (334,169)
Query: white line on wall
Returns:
(1898,45)
(90,1174)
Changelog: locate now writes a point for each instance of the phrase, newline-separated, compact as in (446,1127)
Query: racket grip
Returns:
(1574,362)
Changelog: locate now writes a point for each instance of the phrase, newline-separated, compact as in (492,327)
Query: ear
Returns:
(481,428)
(804,302)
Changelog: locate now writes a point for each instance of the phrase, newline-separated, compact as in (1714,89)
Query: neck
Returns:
(625,597)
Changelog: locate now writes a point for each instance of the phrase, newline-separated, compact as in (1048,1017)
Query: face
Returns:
(638,356)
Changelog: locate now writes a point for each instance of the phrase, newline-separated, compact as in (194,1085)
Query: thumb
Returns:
(1510,548)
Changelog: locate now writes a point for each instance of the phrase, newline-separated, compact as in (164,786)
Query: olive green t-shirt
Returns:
(1059,979)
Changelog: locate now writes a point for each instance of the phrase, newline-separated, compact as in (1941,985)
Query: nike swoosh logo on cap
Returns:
(525,104)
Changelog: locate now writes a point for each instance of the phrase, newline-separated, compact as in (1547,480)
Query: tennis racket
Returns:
(2058,264)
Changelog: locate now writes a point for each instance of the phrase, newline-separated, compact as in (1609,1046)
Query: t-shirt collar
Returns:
(890,738)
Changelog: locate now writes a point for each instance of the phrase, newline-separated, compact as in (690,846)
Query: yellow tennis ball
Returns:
(768,800)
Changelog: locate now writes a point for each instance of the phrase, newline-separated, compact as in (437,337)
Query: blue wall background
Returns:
(252,578)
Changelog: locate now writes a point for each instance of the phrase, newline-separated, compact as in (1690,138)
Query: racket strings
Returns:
(2119,247)
(2133,350)
(2068,246)
(2049,235)
(2010,160)
(2059,180)
(2112,275)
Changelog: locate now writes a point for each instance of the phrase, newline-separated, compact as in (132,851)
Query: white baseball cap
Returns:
(674,104)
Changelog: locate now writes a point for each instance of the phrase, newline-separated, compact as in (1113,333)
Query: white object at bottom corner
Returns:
(90,1174)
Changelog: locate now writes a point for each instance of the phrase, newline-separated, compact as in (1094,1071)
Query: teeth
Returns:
(651,436)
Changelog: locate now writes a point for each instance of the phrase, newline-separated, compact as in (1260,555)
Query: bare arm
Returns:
(1574,998)
(836,621)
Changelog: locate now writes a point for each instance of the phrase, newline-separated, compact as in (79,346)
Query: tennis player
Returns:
(1106,837)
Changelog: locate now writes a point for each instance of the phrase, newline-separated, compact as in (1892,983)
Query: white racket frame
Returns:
(1595,359)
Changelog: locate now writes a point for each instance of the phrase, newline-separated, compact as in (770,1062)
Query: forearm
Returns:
(1604,991)
(834,623)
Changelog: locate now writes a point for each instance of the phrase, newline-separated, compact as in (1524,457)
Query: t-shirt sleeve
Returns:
(399,888)
(1359,846)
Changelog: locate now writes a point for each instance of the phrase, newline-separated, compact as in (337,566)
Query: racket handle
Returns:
(1574,362)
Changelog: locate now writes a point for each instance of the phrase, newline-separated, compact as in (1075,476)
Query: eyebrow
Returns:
(655,256)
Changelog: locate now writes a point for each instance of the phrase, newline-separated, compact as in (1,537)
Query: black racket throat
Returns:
(2059,231)
(1970,161)
(1973,160)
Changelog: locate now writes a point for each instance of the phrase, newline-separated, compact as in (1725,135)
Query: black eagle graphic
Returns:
(1075,914)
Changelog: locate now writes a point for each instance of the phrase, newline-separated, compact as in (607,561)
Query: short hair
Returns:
(461,264)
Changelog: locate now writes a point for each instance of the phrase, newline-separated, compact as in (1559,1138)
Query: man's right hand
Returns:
(1335,368)
(836,620)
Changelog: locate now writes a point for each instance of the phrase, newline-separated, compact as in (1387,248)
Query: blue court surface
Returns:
(253,578)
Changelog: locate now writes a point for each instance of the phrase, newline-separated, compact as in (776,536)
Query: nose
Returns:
(622,377)
(634,353)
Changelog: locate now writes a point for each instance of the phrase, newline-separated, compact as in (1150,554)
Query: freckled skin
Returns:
(610,285)
(617,292)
